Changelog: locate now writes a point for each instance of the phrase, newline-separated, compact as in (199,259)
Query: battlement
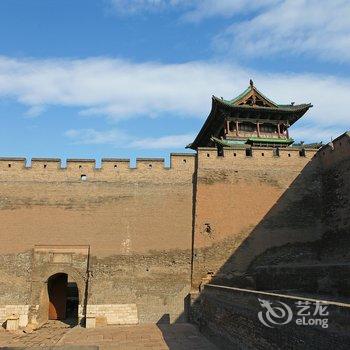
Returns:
(254,157)
(335,151)
(112,169)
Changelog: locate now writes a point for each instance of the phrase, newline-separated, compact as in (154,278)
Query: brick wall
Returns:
(321,266)
(246,205)
(137,222)
(230,317)
(107,314)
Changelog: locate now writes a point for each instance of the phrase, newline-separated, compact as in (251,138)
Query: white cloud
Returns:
(320,28)
(314,133)
(34,111)
(120,139)
(120,89)
(202,9)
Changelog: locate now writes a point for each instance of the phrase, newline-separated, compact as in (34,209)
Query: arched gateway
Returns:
(59,284)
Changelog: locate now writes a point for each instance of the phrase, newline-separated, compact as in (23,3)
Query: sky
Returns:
(118,78)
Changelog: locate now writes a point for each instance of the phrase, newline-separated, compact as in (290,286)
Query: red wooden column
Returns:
(278,130)
(258,128)
(237,126)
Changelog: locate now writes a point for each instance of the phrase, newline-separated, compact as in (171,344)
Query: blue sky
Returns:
(117,78)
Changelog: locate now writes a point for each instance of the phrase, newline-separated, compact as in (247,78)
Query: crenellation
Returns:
(45,164)
(114,165)
(182,161)
(80,165)
(335,151)
(11,163)
(150,163)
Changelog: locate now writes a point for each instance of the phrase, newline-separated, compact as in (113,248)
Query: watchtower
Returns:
(249,119)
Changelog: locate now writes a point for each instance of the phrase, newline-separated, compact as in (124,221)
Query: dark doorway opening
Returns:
(63,299)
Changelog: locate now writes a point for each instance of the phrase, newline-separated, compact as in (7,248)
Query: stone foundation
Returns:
(20,310)
(113,313)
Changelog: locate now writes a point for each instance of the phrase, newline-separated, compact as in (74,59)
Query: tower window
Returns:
(220,151)
(248,152)
(83,177)
(247,127)
(9,165)
(302,152)
(276,152)
(268,128)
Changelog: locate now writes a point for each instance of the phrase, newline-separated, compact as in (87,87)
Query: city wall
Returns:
(136,221)
(235,213)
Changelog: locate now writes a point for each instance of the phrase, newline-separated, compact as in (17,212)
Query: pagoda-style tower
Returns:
(249,119)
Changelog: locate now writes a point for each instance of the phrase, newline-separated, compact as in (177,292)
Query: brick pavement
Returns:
(146,336)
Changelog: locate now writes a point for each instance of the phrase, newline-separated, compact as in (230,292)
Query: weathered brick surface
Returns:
(137,223)
(320,266)
(230,317)
(252,204)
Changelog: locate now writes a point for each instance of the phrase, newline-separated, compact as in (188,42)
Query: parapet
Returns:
(335,151)
(112,169)
(253,157)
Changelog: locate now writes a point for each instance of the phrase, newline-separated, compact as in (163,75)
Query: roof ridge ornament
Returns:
(251,83)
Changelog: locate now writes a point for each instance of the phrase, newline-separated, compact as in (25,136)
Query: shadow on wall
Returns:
(295,217)
(291,251)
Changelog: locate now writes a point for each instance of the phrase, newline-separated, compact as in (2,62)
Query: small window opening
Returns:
(220,152)
(288,154)
(234,154)
(150,165)
(9,165)
(208,155)
(80,166)
(184,160)
(302,152)
(45,165)
(83,177)
(262,154)
(115,166)
(276,152)
(248,152)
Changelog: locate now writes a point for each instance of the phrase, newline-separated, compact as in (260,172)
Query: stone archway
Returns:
(50,274)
